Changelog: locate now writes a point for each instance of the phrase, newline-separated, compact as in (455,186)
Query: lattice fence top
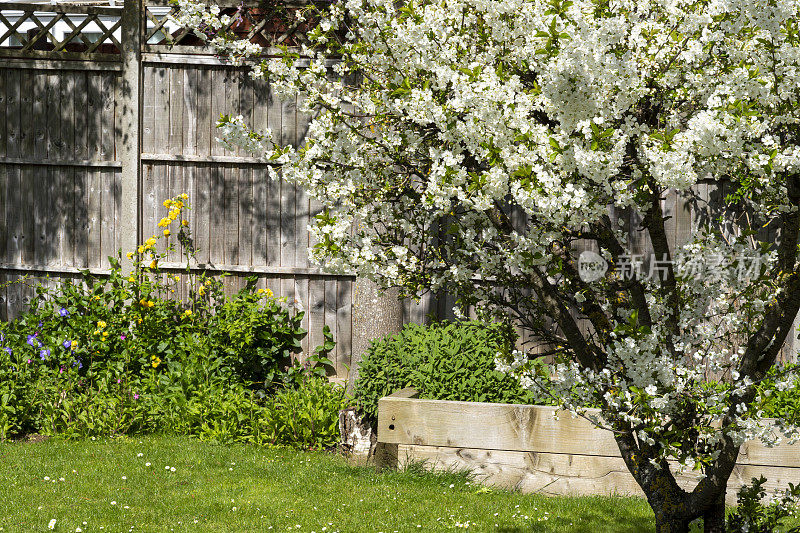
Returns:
(92,29)
(268,24)
(28,29)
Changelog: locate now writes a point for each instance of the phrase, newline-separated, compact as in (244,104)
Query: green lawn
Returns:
(128,485)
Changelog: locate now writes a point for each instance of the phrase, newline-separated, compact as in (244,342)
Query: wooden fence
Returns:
(524,447)
(96,132)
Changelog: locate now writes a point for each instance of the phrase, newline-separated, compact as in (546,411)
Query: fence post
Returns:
(130,124)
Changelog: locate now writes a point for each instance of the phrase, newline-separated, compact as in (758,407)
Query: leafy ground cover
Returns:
(128,484)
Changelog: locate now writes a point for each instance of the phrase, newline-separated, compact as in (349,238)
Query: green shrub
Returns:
(306,416)
(120,355)
(445,361)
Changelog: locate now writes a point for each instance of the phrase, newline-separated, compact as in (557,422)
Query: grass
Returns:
(107,485)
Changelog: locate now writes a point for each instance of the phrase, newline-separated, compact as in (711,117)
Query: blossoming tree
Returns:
(477,142)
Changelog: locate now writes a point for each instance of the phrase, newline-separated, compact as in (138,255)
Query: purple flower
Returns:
(63,312)
(122,337)
(66,344)
(119,380)
(9,350)
(136,396)
(44,352)
(29,361)
(32,339)
(61,370)
(78,362)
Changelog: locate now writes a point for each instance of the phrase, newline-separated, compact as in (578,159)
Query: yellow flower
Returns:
(151,241)
(143,302)
(261,291)
(74,344)
(141,249)
(173,215)
(166,233)
(156,361)
(132,279)
(130,255)
(185,196)
(105,334)
(153,264)
(184,222)
(269,293)
(167,203)
(164,222)
(187,313)
(150,303)
(101,324)
(201,291)
(208,282)
(138,320)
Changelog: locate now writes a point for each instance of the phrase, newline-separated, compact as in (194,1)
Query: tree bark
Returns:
(376,314)
(714,516)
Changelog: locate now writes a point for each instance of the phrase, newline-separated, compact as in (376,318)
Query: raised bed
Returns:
(525,447)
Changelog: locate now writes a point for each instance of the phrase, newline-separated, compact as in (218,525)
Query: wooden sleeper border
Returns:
(526,448)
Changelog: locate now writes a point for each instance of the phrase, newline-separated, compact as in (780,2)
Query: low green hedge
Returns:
(444,361)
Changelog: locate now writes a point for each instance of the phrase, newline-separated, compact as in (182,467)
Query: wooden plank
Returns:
(82,125)
(568,474)
(68,222)
(316,311)
(189,187)
(53,63)
(232,82)
(94,242)
(245,220)
(67,118)
(160,108)
(513,427)
(81,203)
(175,117)
(26,125)
(94,105)
(107,108)
(3,112)
(246,105)
(344,326)
(189,118)
(527,428)
(148,110)
(230,228)
(27,184)
(201,213)
(148,200)
(301,290)
(54,116)
(259,217)
(109,201)
(203,116)
(4,210)
(216,249)
(12,118)
(40,206)
(56,216)
(39,123)
(331,292)
(218,107)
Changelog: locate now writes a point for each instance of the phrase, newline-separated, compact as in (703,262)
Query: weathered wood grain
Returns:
(570,474)
(522,428)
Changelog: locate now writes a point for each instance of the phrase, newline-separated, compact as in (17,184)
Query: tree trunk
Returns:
(714,516)
(376,314)
(672,524)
